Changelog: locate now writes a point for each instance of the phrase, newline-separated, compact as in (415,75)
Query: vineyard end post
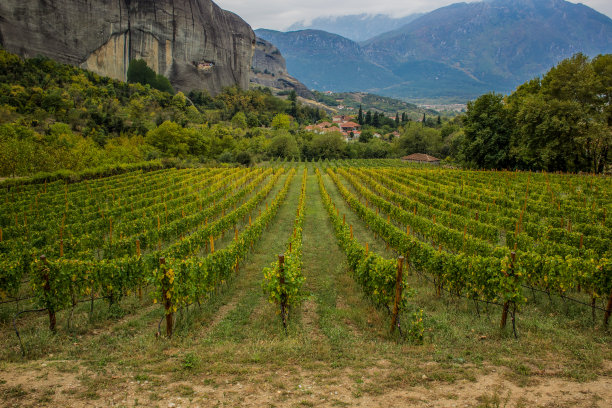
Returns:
(283,297)
(167,306)
(608,310)
(398,292)
(47,288)
(506,308)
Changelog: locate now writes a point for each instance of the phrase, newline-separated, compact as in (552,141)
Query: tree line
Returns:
(560,122)
(55,117)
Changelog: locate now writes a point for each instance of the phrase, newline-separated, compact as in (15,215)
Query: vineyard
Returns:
(418,243)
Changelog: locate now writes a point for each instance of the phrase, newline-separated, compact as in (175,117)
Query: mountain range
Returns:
(451,54)
(356,27)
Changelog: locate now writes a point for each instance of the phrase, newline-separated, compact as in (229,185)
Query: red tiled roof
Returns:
(350,124)
(421,157)
(332,129)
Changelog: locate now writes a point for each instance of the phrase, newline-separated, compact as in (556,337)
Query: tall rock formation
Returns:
(194,43)
(269,69)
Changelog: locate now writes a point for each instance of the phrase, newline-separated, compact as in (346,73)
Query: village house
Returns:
(421,158)
(350,126)
(333,129)
(324,127)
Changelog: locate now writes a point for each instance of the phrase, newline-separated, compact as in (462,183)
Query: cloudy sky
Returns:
(280,14)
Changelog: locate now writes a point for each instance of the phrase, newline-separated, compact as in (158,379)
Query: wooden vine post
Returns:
(167,302)
(398,292)
(504,318)
(138,255)
(49,295)
(283,296)
(608,310)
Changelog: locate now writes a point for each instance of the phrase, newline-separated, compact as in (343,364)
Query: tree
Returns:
(562,122)
(139,72)
(170,139)
(281,121)
(328,146)
(366,136)
(283,145)
(292,96)
(294,105)
(244,158)
(360,118)
(397,119)
(376,149)
(376,120)
(240,120)
(368,118)
(162,84)
(420,140)
(487,132)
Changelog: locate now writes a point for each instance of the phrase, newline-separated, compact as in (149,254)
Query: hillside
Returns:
(326,61)
(351,101)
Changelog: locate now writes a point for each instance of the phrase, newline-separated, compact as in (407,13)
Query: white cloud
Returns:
(280,14)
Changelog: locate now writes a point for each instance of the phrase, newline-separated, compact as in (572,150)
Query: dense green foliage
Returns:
(140,73)
(562,122)
(56,117)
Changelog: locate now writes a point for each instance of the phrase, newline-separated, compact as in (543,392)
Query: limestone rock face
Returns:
(194,43)
(269,69)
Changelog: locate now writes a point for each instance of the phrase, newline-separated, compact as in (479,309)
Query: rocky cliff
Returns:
(194,43)
(269,69)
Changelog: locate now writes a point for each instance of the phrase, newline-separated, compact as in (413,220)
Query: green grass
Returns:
(337,350)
